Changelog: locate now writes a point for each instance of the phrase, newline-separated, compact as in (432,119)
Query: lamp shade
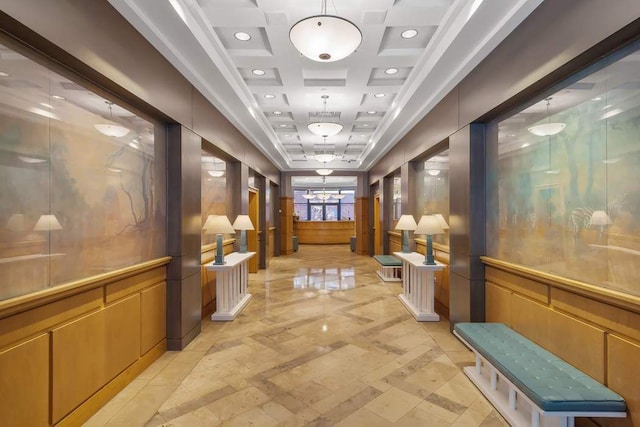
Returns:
(243,222)
(599,218)
(443,222)
(406,222)
(547,129)
(218,224)
(428,224)
(47,223)
(324,157)
(325,128)
(325,38)
(324,171)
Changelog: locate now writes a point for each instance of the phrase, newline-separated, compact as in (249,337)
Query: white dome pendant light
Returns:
(324,127)
(325,38)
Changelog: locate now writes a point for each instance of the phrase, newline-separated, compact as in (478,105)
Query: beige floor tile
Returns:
(141,408)
(237,403)
(438,411)
(252,417)
(393,404)
(418,417)
(364,417)
(201,417)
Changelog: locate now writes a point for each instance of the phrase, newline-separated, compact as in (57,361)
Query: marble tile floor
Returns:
(324,342)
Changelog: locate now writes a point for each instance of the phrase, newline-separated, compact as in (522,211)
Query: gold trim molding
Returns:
(46,296)
(609,296)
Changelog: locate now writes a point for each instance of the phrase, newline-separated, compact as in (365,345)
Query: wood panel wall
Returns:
(594,329)
(395,241)
(66,351)
(208,283)
(363,222)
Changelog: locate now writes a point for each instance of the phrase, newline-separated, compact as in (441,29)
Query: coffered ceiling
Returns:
(271,92)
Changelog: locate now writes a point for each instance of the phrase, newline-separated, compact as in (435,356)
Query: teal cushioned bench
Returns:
(390,268)
(551,383)
(388,260)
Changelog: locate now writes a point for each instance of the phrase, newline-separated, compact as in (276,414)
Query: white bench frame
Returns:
(512,403)
(389,273)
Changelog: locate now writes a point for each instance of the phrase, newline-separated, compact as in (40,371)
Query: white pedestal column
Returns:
(418,286)
(232,279)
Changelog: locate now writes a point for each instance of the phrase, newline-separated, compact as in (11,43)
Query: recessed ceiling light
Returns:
(58,97)
(269,96)
(44,104)
(391,71)
(409,34)
(525,145)
(258,72)
(597,98)
(3,74)
(242,36)
(277,113)
(362,135)
(365,125)
(379,95)
(607,106)
(283,125)
(287,135)
(371,112)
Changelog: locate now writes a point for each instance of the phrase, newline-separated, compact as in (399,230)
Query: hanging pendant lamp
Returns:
(547,129)
(108,129)
(324,127)
(325,38)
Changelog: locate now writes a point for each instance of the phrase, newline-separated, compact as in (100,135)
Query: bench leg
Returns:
(535,418)
(512,398)
(478,364)
(494,379)
(567,421)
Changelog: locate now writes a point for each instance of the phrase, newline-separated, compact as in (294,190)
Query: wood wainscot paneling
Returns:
(395,241)
(441,286)
(209,277)
(75,346)
(324,232)
(24,383)
(595,329)
(623,376)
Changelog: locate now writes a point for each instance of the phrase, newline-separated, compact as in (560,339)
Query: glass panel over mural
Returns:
(214,191)
(432,191)
(568,192)
(81,182)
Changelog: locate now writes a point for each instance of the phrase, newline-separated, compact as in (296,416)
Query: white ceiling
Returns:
(453,37)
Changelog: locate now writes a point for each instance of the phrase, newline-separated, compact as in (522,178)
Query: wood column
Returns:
(362,225)
(286,225)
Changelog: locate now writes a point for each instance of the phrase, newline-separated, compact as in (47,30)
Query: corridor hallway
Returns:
(323,342)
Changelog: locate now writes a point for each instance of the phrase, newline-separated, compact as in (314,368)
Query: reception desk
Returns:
(324,232)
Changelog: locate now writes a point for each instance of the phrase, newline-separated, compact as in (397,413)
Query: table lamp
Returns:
(406,223)
(218,224)
(429,225)
(243,223)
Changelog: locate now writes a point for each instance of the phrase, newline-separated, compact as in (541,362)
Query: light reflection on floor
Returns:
(325,280)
